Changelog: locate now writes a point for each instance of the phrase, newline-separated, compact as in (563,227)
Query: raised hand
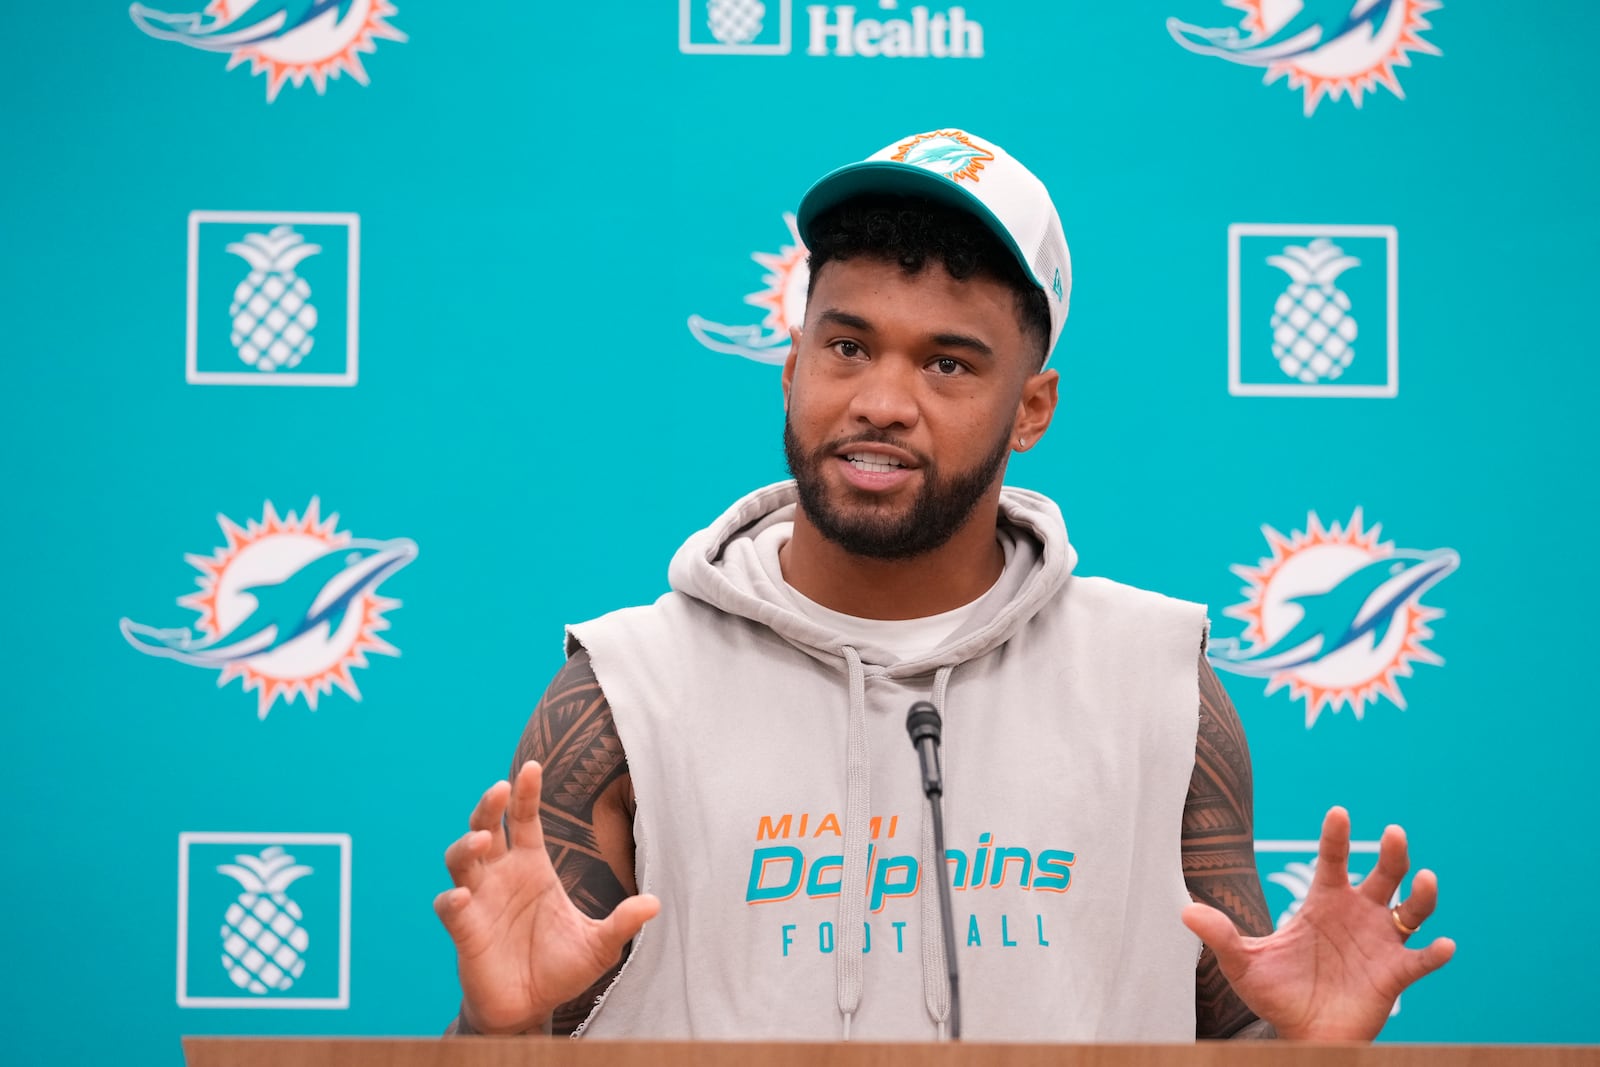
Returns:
(522,947)
(1334,971)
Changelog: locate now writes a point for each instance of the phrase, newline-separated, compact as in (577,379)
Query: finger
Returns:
(1415,909)
(1333,851)
(523,817)
(1215,929)
(464,858)
(454,911)
(624,924)
(451,902)
(488,815)
(449,906)
(1393,862)
(1430,959)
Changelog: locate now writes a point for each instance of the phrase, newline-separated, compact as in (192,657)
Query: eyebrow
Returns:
(845,319)
(942,340)
(966,341)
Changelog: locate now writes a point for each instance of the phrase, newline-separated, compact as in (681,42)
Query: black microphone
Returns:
(924,725)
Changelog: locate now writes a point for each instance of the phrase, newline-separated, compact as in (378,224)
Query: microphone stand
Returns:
(925,726)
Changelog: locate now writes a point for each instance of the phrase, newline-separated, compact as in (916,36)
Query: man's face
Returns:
(904,395)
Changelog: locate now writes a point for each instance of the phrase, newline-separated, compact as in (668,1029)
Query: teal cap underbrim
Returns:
(899,179)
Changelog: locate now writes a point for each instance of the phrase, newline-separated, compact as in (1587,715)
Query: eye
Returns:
(847,349)
(946,366)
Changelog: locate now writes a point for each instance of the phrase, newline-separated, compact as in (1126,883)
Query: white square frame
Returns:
(352,223)
(1391,237)
(688,47)
(187,838)
(1357,848)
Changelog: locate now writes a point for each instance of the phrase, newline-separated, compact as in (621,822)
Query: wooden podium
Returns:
(563,1052)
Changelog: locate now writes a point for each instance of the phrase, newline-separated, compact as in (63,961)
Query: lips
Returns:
(875,469)
(873,462)
(878,453)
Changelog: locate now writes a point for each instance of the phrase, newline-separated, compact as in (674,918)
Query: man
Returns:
(737,750)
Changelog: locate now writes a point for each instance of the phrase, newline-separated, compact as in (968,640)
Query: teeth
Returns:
(876,464)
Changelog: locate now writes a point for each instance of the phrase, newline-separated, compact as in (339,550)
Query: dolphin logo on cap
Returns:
(946,152)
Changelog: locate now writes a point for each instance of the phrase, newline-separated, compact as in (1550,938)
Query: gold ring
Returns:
(1405,931)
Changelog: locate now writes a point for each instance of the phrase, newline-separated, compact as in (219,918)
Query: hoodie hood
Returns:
(723,566)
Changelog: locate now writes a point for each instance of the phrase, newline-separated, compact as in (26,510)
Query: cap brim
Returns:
(897,179)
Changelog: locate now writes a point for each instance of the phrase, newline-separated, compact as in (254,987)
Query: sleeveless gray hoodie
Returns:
(780,816)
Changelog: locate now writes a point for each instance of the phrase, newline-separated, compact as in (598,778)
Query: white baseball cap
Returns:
(957,168)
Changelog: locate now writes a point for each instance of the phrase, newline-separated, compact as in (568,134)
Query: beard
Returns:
(942,505)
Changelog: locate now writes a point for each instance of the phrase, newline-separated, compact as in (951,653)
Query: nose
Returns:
(886,395)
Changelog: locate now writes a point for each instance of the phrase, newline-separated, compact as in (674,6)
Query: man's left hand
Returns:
(1333,972)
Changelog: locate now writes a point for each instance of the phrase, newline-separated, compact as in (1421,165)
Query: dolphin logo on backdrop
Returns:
(783,299)
(1336,615)
(1324,47)
(290,605)
(288,40)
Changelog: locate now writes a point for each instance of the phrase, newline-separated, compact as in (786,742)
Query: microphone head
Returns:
(923,722)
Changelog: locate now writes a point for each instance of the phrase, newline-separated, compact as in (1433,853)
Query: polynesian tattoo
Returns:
(1219,860)
(586,798)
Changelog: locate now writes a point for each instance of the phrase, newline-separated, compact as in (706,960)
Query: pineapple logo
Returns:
(289,41)
(1294,295)
(272,311)
(1297,877)
(263,920)
(263,943)
(1327,48)
(289,606)
(1336,615)
(273,298)
(735,22)
(733,27)
(783,299)
(1312,328)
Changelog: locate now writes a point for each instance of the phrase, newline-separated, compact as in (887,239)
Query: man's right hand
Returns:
(522,947)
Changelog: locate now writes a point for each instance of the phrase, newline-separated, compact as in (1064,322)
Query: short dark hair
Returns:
(910,231)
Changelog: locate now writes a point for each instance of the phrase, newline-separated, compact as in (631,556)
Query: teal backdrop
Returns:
(520,387)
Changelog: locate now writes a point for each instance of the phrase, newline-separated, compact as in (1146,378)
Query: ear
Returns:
(1035,410)
(788,364)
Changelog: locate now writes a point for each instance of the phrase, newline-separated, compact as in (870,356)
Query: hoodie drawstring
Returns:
(850,945)
(858,808)
(935,984)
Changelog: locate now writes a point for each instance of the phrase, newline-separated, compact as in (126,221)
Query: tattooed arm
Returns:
(1219,862)
(586,805)
(585,810)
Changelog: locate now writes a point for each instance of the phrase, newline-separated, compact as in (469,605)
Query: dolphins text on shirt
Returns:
(781,872)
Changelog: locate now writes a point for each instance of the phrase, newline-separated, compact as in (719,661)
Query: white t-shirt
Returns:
(907,639)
